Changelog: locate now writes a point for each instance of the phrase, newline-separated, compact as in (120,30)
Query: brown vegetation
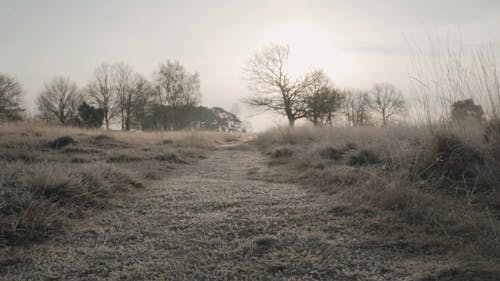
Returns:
(51,175)
(425,188)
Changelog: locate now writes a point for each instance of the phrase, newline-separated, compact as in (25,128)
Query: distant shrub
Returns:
(466,110)
(80,160)
(107,142)
(124,158)
(364,157)
(171,157)
(80,150)
(103,138)
(351,146)
(282,152)
(331,153)
(61,142)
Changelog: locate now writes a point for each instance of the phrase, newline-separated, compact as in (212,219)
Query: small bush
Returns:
(331,153)
(282,152)
(351,146)
(80,160)
(61,142)
(103,138)
(456,159)
(172,158)
(451,162)
(364,157)
(108,142)
(124,158)
(262,244)
(80,150)
(167,142)
(333,179)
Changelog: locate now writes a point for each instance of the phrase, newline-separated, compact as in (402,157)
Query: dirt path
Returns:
(211,222)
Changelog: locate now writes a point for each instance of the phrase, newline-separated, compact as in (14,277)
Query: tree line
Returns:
(314,96)
(169,101)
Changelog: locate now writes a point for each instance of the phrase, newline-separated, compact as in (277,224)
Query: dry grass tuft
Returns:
(441,186)
(282,152)
(265,243)
(37,198)
(492,132)
(455,158)
(331,153)
(457,165)
(52,175)
(364,157)
(172,158)
(124,158)
(459,274)
(61,142)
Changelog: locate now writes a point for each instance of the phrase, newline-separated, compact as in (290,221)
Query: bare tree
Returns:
(177,87)
(10,95)
(102,93)
(387,101)
(122,80)
(136,101)
(59,100)
(115,89)
(274,89)
(322,99)
(356,107)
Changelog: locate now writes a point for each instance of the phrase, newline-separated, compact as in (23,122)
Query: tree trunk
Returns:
(127,123)
(291,121)
(123,118)
(106,120)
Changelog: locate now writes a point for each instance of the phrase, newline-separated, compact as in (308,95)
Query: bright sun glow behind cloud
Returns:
(311,47)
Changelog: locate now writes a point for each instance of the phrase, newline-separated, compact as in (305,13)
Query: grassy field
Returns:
(439,190)
(394,203)
(50,176)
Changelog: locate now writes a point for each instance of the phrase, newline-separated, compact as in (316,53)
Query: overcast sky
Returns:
(356,42)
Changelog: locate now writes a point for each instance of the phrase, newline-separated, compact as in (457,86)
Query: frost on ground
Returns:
(218,221)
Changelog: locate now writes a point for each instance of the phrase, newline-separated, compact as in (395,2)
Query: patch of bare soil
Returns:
(217,221)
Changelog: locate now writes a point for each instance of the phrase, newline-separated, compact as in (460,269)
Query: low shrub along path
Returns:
(215,221)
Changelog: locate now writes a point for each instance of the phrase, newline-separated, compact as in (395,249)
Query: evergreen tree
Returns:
(91,117)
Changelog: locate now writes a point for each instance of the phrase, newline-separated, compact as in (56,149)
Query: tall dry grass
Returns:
(446,71)
(442,186)
(50,175)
